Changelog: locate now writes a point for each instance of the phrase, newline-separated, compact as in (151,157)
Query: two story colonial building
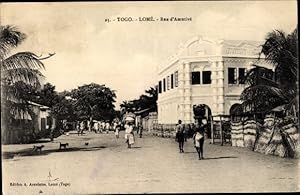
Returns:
(204,71)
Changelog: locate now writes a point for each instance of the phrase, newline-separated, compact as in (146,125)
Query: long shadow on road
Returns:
(211,158)
(31,152)
(221,157)
(135,147)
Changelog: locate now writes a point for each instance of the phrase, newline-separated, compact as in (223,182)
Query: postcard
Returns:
(149,97)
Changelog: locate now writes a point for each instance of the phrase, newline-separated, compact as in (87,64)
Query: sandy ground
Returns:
(153,165)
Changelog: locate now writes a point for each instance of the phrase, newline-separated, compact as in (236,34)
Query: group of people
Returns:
(101,126)
(105,126)
(198,137)
(97,126)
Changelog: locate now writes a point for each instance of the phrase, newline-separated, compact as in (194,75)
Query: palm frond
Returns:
(275,43)
(12,95)
(263,91)
(282,51)
(293,103)
(22,60)
(260,75)
(20,110)
(262,98)
(9,37)
(30,77)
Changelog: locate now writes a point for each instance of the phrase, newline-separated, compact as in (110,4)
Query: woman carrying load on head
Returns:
(129,125)
(129,135)
(198,138)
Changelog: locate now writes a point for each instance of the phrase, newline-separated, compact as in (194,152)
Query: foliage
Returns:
(22,66)
(64,109)
(262,93)
(145,101)
(94,101)
(267,89)
(282,51)
(47,96)
(18,70)
(61,106)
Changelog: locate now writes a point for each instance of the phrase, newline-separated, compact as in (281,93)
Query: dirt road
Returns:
(153,165)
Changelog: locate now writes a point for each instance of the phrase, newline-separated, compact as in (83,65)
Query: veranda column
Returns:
(214,83)
(220,88)
(181,90)
(214,79)
(187,93)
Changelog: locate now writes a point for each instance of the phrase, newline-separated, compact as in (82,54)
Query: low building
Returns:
(147,118)
(27,125)
(43,114)
(204,71)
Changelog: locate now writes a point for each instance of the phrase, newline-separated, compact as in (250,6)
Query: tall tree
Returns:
(47,96)
(64,108)
(94,101)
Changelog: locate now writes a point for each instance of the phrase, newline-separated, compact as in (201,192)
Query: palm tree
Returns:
(15,68)
(22,66)
(268,89)
(263,93)
(282,51)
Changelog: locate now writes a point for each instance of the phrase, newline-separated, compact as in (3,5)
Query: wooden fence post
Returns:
(221,131)
(212,129)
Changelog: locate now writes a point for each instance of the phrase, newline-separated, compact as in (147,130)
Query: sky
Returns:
(126,56)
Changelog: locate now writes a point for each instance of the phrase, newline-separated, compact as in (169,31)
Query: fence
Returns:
(169,130)
(275,136)
(164,130)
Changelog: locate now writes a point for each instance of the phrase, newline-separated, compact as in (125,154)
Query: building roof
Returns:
(239,42)
(202,46)
(142,111)
(39,105)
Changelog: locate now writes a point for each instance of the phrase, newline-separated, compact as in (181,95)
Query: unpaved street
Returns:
(153,165)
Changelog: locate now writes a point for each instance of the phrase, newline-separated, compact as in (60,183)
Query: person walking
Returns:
(184,128)
(198,138)
(78,127)
(179,126)
(82,127)
(140,129)
(96,126)
(107,126)
(117,129)
(129,135)
(102,126)
(180,136)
